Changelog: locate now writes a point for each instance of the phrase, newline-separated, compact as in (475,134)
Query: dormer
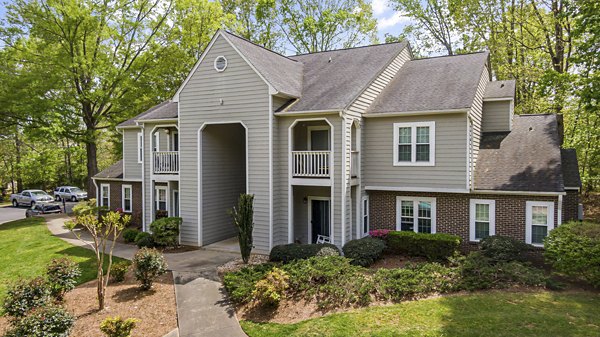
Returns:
(498,106)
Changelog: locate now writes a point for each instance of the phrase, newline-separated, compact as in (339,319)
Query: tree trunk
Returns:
(100,288)
(18,161)
(91,150)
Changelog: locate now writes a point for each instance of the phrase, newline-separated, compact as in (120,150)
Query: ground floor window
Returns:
(415,214)
(105,195)
(127,204)
(365,215)
(160,198)
(482,219)
(539,220)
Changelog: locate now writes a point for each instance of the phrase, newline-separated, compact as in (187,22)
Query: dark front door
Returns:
(319,219)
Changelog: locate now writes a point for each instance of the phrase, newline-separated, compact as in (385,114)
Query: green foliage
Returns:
(364,252)
(119,270)
(271,288)
(50,321)
(24,296)
(504,248)
(62,276)
(435,247)
(574,249)
(240,285)
(165,231)
(144,239)
(296,251)
(118,327)
(415,281)
(130,234)
(148,264)
(243,219)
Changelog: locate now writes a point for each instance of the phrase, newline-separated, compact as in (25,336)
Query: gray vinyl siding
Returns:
(131,168)
(450,170)
(301,221)
(476,114)
(496,116)
(245,98)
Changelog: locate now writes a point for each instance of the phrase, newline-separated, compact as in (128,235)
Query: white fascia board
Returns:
(414,113)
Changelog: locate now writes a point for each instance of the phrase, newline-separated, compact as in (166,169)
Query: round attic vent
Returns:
(220,63)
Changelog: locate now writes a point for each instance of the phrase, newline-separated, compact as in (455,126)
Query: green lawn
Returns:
(485,314)
(26,247)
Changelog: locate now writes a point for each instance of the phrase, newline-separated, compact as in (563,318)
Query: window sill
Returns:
(429,163)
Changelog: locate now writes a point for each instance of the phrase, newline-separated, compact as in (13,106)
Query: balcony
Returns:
(166,162)
(311,164)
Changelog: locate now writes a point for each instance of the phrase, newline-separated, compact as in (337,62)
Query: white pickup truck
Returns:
(30,198)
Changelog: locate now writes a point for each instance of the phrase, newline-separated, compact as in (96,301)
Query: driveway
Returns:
(9,213)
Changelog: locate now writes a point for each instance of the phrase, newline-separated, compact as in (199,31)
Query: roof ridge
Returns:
(257,45)
(351,48)
(442,56)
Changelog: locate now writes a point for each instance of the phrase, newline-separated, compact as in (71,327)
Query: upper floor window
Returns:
(414,144)
(140,147)
(220,63)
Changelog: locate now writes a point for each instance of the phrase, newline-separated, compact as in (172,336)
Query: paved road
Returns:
(9,213)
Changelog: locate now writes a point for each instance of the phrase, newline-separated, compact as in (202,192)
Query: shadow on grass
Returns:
(22,223)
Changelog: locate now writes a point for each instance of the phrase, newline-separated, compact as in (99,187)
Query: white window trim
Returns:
(472,212)
(413,126)
(123,188)
(215,63)
(174,134)
(309,131)
(156,200)
(529,220)
(102,195)
(365,214)
(415,201)
(156,145)
(140,147)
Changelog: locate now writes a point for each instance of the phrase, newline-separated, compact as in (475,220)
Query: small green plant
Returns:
(118,327)
(24,296)
(243,219)
(148,264)
(130,234)
(364,252)
(240,285)
(271,289)
(144,240)
(165,231)
(435,247)
(62,277)
(50,321)
(119,270)
(295,251)
(504,248)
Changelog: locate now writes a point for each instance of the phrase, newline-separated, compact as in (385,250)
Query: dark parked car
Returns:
(40,209)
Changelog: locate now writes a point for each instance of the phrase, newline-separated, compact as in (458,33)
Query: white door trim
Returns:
(310,199)
(310,129)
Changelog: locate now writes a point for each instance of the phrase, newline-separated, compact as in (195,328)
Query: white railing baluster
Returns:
(166,162)
(311,164)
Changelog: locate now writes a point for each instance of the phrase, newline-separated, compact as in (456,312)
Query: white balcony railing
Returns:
(354,158)
(166,162)
(313,164)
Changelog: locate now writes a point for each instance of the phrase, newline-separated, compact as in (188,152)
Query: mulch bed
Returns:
(155,309)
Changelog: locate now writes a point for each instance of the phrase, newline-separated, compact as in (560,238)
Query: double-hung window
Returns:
(160,197)
(414,144)
(482,219)
(539,220)
(365,216)
(105,195)
(126,194)
(140,147)
(415,214)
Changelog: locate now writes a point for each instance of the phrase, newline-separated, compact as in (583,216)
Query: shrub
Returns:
(504,248)
(240,285)
(148,265)
(118,327)
(62,277)
(25,296)
(161,214)
(165,231)
(44,322)
(331,280)
(144,240)
(271,289)
(379,233)
(243,219)
(365,251)
(296,251)
(130,234)
(481,272)
(435,247)
(574,249)
(118,271)
(415,281)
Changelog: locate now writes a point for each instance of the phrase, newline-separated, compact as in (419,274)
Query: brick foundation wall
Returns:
(570,205)
(452,211)
(116,201)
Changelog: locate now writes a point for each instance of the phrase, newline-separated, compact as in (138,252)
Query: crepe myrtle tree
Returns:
(243,219)
(105,230)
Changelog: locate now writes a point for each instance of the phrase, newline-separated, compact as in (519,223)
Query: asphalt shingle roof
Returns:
(164,110)
(570,168)
(500,89)
(526,159)
(115,171)
(437,83)
(333,79)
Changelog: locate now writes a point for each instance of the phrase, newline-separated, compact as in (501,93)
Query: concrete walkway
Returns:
(202,306)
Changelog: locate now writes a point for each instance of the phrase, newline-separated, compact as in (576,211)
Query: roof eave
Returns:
(508,192)
(412,113)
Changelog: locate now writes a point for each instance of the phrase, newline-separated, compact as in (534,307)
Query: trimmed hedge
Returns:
(296,251)
(365,251)
(504,248)
(129,235)
(435,247)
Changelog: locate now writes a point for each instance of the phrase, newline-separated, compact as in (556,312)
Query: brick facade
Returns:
(452,211)
(116,198)
(571,205)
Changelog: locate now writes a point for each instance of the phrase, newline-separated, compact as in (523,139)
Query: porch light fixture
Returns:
(167,131)
(305,200)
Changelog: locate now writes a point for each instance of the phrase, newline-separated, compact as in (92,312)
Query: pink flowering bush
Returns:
(379,233)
